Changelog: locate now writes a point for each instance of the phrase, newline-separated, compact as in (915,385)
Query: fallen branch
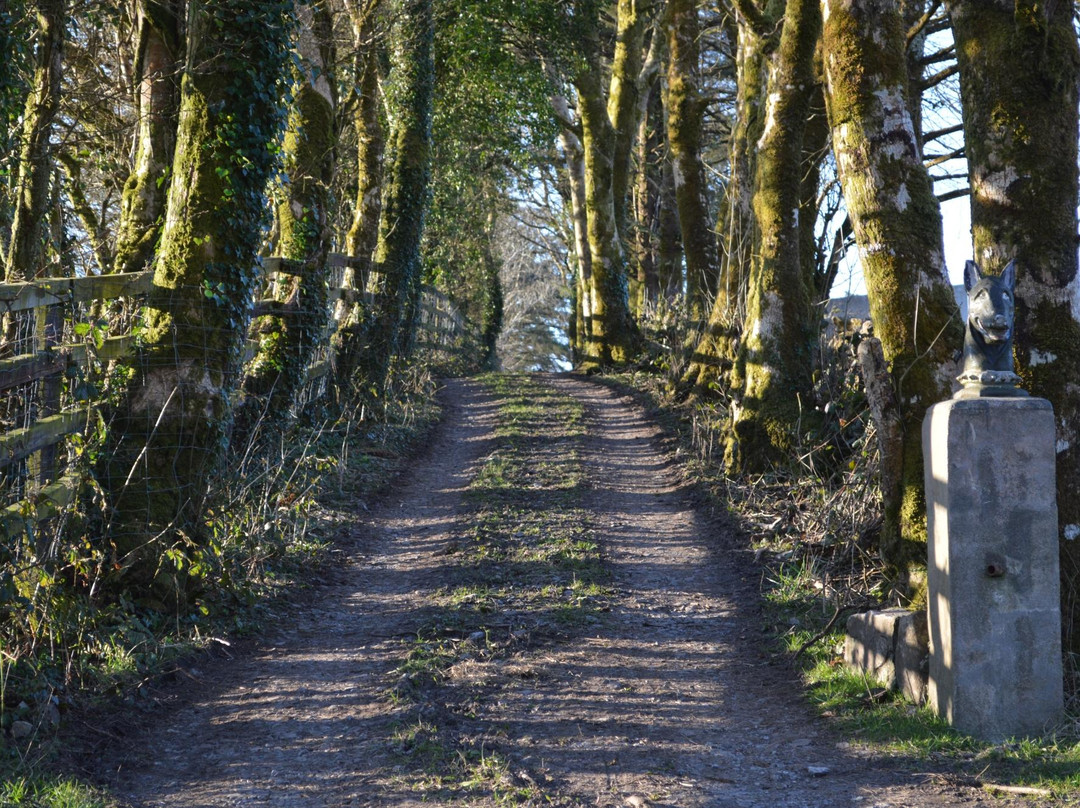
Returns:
(1024,791)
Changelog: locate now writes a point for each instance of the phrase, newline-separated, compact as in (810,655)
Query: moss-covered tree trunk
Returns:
(645,285)
(715,352)
(169,435)
(613,334)
(29,229)
(686,105)
(772,376)
(159,49)
(574,163)
(287,340)
(1019,68)
(624,109)
(349,343)
(407,173)
(897,227)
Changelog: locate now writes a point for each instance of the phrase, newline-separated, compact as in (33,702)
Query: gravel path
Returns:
(672,700)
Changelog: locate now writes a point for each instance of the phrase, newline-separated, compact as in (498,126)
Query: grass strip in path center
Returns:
(524,572)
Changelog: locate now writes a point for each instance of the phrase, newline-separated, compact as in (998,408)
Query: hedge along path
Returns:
(538,615)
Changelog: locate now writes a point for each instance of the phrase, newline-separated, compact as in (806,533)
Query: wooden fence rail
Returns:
(38,418)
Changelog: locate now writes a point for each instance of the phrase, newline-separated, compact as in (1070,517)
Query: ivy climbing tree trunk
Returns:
(170,432)
(897,225)
(25,256)
(772,376)
(287,340)
(1019,67)
(685,119)
(349,342)
(397,256)
(157,66)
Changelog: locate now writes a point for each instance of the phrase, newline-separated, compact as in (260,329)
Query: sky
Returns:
(956,227)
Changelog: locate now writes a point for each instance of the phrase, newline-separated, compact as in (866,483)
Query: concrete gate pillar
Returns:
(992,573)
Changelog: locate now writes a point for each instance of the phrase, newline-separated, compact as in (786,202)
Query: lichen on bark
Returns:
(897,225)
(772,375)
(1019,73)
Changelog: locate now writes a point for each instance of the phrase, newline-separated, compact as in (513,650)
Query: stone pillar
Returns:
(993,587)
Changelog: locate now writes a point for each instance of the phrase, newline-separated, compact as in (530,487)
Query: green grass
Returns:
(887,723)
(47,792)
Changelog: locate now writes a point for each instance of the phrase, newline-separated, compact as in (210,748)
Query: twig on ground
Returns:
(1024,791)
(840,611)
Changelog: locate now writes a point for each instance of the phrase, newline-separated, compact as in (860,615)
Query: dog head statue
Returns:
(988,334)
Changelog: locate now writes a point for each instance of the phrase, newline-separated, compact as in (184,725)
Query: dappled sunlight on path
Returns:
(667,696)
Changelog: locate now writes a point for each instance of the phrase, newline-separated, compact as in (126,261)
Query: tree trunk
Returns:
(288,341)
(685,118)
(613,335)
(772,377)
(169,435)
(157,63)
(1018,78)
(669,260)
(574,159)
(350,342)
(397,255)
(897,225)
(624,109)
(714,354)
(645,288)
(25,256)
(491,320)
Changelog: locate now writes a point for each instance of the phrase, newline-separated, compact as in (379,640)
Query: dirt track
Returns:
(670,700)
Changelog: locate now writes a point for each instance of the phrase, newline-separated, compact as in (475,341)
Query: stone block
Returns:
(891,646)
(992,572)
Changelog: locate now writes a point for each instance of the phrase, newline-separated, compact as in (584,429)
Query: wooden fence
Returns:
(57,346)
